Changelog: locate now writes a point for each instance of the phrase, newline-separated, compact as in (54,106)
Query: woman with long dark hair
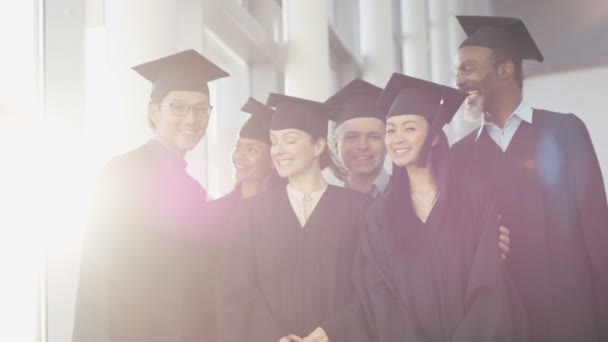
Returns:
(428,268)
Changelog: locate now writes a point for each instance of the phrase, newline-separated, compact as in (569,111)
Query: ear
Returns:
(153,113)
(506,69)
(319,146)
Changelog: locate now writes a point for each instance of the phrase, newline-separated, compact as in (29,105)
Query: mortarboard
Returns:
(186,70)
(356,100)
(258,125)
(294,112)
(509,35)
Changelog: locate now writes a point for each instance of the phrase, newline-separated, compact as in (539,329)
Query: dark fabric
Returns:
(281,279)
(142,263)
(409,95)
(439,280)
(356,100)
(258,125)
(293,112)
(185,70)
(505,34)
(550,195)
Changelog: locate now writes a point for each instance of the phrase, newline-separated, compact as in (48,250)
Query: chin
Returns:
(363,171)
(474,111)
(285,173)
(185,148)
(402,162)
(239,177)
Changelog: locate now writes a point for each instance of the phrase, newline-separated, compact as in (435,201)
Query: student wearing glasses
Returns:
(137,279)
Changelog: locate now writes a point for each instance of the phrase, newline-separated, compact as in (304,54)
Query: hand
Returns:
(504,242)
(318,335)
(291,338)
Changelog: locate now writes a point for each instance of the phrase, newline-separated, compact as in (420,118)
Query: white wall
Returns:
(581,92)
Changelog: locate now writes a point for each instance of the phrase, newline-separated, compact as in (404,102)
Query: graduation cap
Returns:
(356,100)
(509,35)
(294,112)
(258,125)
(435,102)
(186,70)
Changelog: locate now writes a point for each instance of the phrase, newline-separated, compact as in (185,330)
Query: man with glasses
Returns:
(146,248)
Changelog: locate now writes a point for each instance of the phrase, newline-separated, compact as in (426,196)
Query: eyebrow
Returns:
(402,123)
(465,63)
(196,103)
(297,134)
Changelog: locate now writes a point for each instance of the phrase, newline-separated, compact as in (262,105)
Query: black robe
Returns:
(439,280)
(284,279)
(551,196)
(225,208)
(140,257)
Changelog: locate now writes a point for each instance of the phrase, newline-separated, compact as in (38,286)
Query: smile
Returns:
(189,131)
(284,162)
(362,157)
(401,151)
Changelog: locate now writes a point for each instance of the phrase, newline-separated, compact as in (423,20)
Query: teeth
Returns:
(473,92)
(239,166)
(284,162)
(402,150)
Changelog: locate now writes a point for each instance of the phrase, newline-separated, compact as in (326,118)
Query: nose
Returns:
(237,155)
(396,139)
(276,150)
(460,80)
(190,117)
(362,143)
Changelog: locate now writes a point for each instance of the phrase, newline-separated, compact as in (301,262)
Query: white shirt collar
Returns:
(380,183)
(523,111)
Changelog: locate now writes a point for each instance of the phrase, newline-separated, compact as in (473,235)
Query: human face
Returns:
(405,135)
(180,134)
(251,160)
(360,145)
(294,152)
(477,74)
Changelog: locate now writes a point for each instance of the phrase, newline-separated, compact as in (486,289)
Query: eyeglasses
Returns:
(180,109)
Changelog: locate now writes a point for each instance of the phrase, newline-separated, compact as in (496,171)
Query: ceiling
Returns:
(572,34)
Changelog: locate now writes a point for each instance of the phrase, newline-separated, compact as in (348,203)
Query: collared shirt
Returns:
(296,198)
(503,136)
(379,184)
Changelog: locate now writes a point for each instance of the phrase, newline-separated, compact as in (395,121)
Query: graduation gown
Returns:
(137,268)
(441,280)
(550,195)
(282,278)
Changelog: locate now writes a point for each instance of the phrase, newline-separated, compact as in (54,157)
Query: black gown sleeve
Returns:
(494,311)
(349,323)
(590,196)
(243,314)
(387,317)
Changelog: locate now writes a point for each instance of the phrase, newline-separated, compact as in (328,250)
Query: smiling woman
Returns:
(288,233)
